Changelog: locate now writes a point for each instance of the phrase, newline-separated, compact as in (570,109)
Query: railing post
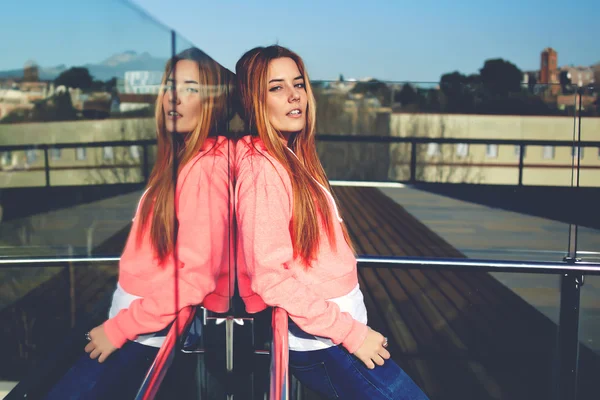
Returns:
(413,161)
(521,158)
(47,166)
(145,165)
(568,335)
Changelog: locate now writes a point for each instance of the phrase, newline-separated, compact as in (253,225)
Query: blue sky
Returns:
(392,40)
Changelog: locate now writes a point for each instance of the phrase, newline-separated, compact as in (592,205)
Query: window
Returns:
(462,149)
(108,153)
(548,152)
(518,151)
(433,149)
(491,150)
(6,158)
(55,154)
(134,151)
(31,156)
(80,153)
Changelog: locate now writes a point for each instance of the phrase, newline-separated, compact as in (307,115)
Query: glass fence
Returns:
(472,209)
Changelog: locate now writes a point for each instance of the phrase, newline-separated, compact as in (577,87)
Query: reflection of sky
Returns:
(75,32)
(385,39)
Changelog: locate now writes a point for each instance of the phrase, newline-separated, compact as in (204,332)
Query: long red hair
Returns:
(174,150)
(310,202)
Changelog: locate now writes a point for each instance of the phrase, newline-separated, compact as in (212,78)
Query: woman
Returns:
(177,251)
(294,250)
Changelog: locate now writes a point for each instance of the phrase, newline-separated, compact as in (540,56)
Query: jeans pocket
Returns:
(316,378)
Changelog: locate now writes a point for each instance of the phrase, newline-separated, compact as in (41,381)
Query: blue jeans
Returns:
(337,374)
(118,377)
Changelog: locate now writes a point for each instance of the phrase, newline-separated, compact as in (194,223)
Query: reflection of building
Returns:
(132,102)
(31,72)
(142,82)
(13,99)
(21,94)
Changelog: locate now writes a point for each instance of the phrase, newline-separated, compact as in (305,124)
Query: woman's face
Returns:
(181,100)
(286,96)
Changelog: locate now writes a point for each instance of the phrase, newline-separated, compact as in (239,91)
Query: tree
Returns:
(56,108)
(107,86)
(500,77)
(458,90)
(376,88)
(75,77)
(407,95)
(531,82)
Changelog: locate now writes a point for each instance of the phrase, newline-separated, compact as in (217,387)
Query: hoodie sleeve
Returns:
(203,214)
(264,212)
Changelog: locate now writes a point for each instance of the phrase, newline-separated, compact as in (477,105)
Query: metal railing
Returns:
(571,271)
(521,165)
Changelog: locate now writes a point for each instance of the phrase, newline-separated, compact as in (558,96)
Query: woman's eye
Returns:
(192,90)
(274,88)
(300,85)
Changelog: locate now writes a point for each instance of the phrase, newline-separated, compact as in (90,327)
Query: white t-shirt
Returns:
(353,303)
(121,300)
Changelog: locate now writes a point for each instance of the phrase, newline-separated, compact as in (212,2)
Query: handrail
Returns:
(322,137)
(164,357)
(468,264)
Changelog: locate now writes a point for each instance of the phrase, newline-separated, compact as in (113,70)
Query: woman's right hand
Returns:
(372,352)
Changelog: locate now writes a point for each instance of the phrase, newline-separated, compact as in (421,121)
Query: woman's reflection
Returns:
(177,251)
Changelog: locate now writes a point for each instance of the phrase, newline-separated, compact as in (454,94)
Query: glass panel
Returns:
(77,146)
(49,302)
(589,337)
(585,201)
(75,88)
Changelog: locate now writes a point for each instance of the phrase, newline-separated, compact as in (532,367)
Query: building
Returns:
(493,163)
(549,67)
(579,76)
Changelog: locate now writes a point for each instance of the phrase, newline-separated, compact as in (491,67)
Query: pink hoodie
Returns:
(203,249)
(267,272)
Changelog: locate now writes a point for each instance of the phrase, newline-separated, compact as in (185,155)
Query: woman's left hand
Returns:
(99,346)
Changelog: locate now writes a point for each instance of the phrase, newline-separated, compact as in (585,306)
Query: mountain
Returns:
(115,65)
(118,64)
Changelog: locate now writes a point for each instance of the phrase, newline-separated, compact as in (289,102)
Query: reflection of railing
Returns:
(571,271)
(414,142)
(165,356)
(145,164)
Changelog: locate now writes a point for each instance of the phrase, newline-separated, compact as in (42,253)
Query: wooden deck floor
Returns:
(460,335)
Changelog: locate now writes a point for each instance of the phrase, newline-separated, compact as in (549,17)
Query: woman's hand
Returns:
(99,346)
(373,351)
